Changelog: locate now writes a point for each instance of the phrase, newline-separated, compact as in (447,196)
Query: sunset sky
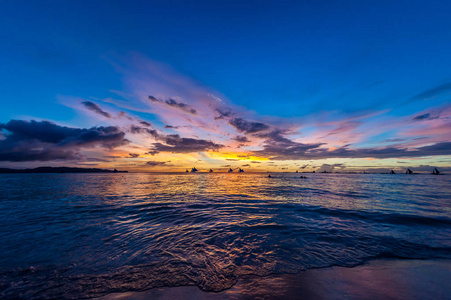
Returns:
(277,86)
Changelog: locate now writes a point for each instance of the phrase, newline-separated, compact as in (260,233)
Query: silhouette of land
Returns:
(59,170)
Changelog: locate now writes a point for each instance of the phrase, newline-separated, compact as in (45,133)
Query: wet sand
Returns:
(378,279)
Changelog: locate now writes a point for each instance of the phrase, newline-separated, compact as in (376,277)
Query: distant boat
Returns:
(187,171)
(194,170)
(392,172)
(211,171)
(240,171)
(409,171)
(269,176)
(297,172)
(436,172)
(313,172)
(230,170)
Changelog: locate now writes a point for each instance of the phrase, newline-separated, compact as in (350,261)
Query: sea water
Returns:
(86,235)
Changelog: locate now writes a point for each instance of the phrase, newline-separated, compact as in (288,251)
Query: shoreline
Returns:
(375,279)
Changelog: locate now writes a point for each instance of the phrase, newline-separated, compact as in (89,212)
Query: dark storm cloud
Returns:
(174,103)
(25,154)
(247,126)
(277,147)
(426,116)
(171,127)
(388,152)
(176,144)
(43,140)
(95,108)
(133,155)
(47,132)
(433,92)
(436,149)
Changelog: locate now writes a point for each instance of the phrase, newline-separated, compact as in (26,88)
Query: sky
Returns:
(280,86)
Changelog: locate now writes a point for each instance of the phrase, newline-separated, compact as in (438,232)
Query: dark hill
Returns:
(59,170)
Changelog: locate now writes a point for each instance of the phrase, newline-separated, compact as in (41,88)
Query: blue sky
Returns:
(277,62)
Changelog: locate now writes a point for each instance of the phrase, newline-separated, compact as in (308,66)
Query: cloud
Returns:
(387,152)
(278,147)
(176,144)
(95,108)
(139,130)
(44,141)
(431,93)
(241,139)
(133,155)
(222,114)
(329,167)
(173,103)
(145,123)
(123,114)
(344,127)
(246,126)
(152,163)
(426,116)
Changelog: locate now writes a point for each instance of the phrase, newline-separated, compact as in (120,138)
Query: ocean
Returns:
(71,236)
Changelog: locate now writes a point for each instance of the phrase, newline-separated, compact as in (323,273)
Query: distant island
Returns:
(59,170)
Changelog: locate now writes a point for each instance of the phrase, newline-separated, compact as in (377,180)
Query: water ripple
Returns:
(85,235)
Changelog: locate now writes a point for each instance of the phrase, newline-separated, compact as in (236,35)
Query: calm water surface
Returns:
(85,235)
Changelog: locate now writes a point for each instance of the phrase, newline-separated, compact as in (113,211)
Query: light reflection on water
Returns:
(100,233)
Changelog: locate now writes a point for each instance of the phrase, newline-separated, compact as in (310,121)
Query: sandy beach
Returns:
(378,279)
